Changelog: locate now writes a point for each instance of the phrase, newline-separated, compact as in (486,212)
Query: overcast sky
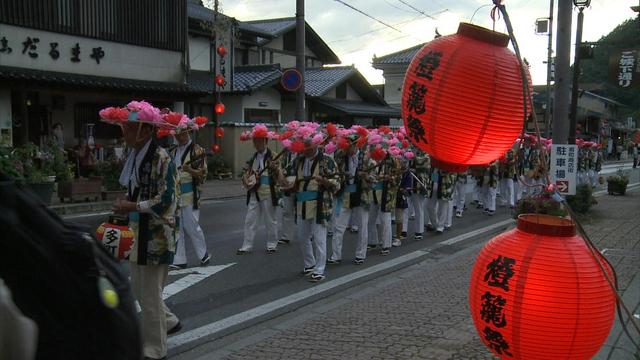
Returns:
(355,38)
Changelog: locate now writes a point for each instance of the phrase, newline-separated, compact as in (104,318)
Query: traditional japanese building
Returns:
(62,61)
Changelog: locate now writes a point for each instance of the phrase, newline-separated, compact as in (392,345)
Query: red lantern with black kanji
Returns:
(537,292)
(116,237)
(219,132)
(462,98)
(219,108)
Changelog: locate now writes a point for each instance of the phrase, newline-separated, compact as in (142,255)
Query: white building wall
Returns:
(352,94)
(234,112)
(199,53)
(120,60)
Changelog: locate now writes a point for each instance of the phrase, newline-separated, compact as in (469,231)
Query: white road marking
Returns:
(234,320)
(195,275)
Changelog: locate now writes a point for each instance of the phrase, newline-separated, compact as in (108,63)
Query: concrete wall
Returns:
(199,53)
(269,96)
(233,109)
(6,139)
(120,60)
(352,94)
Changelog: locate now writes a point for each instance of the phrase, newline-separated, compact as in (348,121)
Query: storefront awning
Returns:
(15,74)
(360,108)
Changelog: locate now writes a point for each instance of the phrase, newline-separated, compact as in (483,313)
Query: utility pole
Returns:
(576,76)
(547,112)
(300,60)
(562,81)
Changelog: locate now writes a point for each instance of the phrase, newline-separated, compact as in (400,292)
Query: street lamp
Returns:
(581,4)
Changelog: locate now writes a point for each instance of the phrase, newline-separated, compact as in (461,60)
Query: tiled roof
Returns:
(247,78)
(360,108)
(9,73)
(320,80)
(273,27)
(400,57)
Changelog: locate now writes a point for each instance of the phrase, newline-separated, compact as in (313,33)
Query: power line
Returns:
(372,31)
(418,10)
(369,16)
(397,7)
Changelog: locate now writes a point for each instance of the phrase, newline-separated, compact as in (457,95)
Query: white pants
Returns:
(477,193)
(593,178)
(489,197)
(448,219)
(147,282)
(460,196)
(517,191)
(260,211)
(355,217)
(506,191)
(313,238)
(341,226)
(438,212)
(287,225)
(385,227)
(189,228)
(418,206)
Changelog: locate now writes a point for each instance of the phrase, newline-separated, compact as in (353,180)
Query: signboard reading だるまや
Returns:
(564,163)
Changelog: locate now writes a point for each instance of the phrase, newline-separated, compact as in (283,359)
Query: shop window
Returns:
(84,114)
(261,116)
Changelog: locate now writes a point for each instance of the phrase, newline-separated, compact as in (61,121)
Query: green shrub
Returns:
(539,204)
(582,201)
(216,164)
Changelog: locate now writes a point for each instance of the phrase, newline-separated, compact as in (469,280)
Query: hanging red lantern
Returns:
(219,132)
(215,148)
(462,98)
(220,80)
(537,292)
(116,237)
(221,50)
(219,108)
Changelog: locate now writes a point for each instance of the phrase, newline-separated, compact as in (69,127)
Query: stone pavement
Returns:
(421,312)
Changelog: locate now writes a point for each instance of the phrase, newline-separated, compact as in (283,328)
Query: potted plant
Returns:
(217,167)
(33,166)
(541,203)
(582,201)
(617,184)
(109,170)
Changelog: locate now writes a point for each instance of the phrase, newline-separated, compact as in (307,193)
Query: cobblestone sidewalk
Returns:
(425,314)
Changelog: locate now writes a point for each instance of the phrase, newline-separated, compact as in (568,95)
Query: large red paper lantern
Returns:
(537,292)
(116,237)
(462,99)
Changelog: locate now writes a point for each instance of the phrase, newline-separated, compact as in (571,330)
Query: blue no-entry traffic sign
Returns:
(291,79)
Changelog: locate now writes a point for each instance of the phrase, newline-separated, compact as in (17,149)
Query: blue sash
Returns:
(264,180)
(186,188)
(134,216)
(378,185)
(303,196)
(350,188)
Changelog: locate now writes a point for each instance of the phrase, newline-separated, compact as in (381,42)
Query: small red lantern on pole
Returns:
(221,50)
(219,108)
(215,148)
(219,132)
(537,292)
(219,80)
(462,98)
(116,237)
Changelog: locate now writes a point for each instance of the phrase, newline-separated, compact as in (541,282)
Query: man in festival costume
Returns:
(583,161)
(420,166)
(402,205)
(354,196)
(384,190)
(313,178)
(440,196)
(528,165)
(506,173)
(460,194)
(152,206)
(286,226)
(595,164)
(262,196)
(191,161)
(490,187)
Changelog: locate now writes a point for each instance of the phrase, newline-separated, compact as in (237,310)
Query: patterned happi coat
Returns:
(190,187)
(491,174)
(384,192)
(312,200)
(446,184)
(421,168)
(359,193)
(508,165)
(265,187)
(158,201)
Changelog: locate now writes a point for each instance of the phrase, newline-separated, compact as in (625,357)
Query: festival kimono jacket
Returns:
(591,159)
(265,187)
(491,175)
(421,167)
(312,200)
(583,160)
(384,192)
(446,184)
(529,162)
(358,191)
(156,224)
(190,187)
(599,158)
(508,165)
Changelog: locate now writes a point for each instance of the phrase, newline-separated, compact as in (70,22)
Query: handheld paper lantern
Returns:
(116,237)
(219,108)
(462,99)
(536,292)
(215,148)
(221,50)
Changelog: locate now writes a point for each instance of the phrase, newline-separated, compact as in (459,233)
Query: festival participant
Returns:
(402,205)
(152,207)
(420,167)
(286,226)
(354,196)
(507,171)
(583,161)
(490,185)
(440,196)
(528,165)
(262,197)
(460,194)
(595,164)
(191,162)
(313,178)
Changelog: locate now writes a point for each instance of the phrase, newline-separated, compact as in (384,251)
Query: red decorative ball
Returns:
(220,80)
(537,292)
(116,237)
(219,108)
(219,132)
(215,148)
(462,98)
(221,50)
